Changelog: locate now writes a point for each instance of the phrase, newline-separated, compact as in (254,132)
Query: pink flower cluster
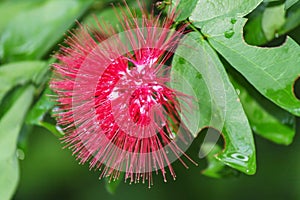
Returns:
(114,101)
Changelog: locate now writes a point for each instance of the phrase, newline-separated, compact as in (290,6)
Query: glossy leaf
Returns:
(32,33)
(54,129)
(266,23)
(184,8)
(292,20)
(253,33)
(209,149)
(215,168)
(20,73)
(211,9)
(37,114)
(41,107)
(10,126)
(290,3)
(272,71)
(273,19)
(268,1)
(266,119)
(218,107)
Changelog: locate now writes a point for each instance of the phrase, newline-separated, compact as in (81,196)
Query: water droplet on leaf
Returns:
(20,154)
(229,33)
(240,157)
(199,76)
(233,21)
(181,61)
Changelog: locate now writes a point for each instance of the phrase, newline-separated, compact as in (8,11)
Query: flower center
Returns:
(145,104)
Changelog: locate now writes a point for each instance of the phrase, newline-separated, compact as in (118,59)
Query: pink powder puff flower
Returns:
(114,101)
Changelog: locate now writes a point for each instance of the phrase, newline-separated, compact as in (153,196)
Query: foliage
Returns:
(259,93)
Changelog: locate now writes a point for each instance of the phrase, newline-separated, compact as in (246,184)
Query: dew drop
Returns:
(233,21)
(199,76)
(173,135)
(59,129)
(240,157)
(229,33)
(20,154)
(55,109)
(181,61)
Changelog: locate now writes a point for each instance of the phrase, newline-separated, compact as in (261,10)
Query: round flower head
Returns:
(115,102)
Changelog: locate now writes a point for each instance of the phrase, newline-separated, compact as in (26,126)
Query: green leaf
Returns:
(184,8)
(268,1)
(292,20)
(272,20)
(9,177)
(290,3)
(8,10)
(266,119)
(32,33)
(20,73)
(41,108)
(272,71)
(254,35)
(54,129)
(215,168)
(210,9)
(37,114)
(10,126)
(198,70)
